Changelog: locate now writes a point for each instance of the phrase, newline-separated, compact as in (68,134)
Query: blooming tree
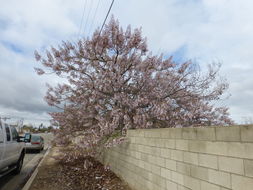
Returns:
(112,83)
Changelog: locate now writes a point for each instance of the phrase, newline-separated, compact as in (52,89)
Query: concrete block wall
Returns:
(212,158)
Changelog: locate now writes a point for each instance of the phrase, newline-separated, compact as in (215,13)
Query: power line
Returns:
(18,117)
(88,17)
(81,24)
(106,17)
(5,118)
(94,16)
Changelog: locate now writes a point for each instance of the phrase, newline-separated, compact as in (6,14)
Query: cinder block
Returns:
(189,133)
(208,186)
(170,143)
(180,187)
(160,143)
(160,161)
(182,145)
(232,165)
(144,157)
(149,185)
(131,140)
(183,168)
(138,140)
(191,183)
(138,132)
(247,133)
(223,188)
(191,158)
(171,164)
(206,133)
(138,155)
(248,167)
(171,185)
(228,133)
(141,184)
(176,133)
(133,147)
(165,133)
(130,167)
(241,183)
(155,151)
(140,163)
(157,179)
(240,150)
(130,133)
(156,169)
(177,177)
(147,166)
(209,161)
(165,153)
(177,155)
(152,159)
(145,149)
(165,173)
(218,148)
(199,172)
(219,178)
(151,142)
(144,141)
(161,182)
(132,153)
(142,172)
(155,186)
(248,150)
(153,133)
(197,146)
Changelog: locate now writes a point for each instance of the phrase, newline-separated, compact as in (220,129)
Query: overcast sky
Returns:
(204,31)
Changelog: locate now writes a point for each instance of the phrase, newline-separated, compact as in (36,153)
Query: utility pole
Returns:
(20,125)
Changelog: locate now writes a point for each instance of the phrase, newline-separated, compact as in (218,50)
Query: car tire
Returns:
(19,164)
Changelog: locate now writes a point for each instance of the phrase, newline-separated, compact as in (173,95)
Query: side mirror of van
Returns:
(20,139)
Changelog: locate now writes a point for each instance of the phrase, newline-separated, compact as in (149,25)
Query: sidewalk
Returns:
(47,173)
(54,175)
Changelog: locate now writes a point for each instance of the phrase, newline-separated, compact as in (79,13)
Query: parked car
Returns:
(34,142)
(12,150)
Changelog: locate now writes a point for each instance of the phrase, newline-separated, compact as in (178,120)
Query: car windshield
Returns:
(35,138)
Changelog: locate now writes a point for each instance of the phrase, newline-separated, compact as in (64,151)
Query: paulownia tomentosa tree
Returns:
(114,83)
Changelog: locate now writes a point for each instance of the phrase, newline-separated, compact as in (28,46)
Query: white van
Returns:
(12,150)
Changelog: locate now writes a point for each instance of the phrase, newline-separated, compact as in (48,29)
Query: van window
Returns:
(8,134)
(14,134)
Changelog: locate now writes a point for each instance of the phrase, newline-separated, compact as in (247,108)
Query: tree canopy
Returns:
(112,82)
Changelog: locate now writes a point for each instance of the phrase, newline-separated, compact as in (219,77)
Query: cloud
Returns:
(201,30)
(204,31)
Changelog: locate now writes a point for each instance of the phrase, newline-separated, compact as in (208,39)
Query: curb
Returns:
(35,172)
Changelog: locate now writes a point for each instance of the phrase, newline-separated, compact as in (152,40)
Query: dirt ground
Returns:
(54,175)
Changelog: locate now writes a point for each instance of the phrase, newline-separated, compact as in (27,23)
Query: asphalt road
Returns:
(16,181)
(31,160)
